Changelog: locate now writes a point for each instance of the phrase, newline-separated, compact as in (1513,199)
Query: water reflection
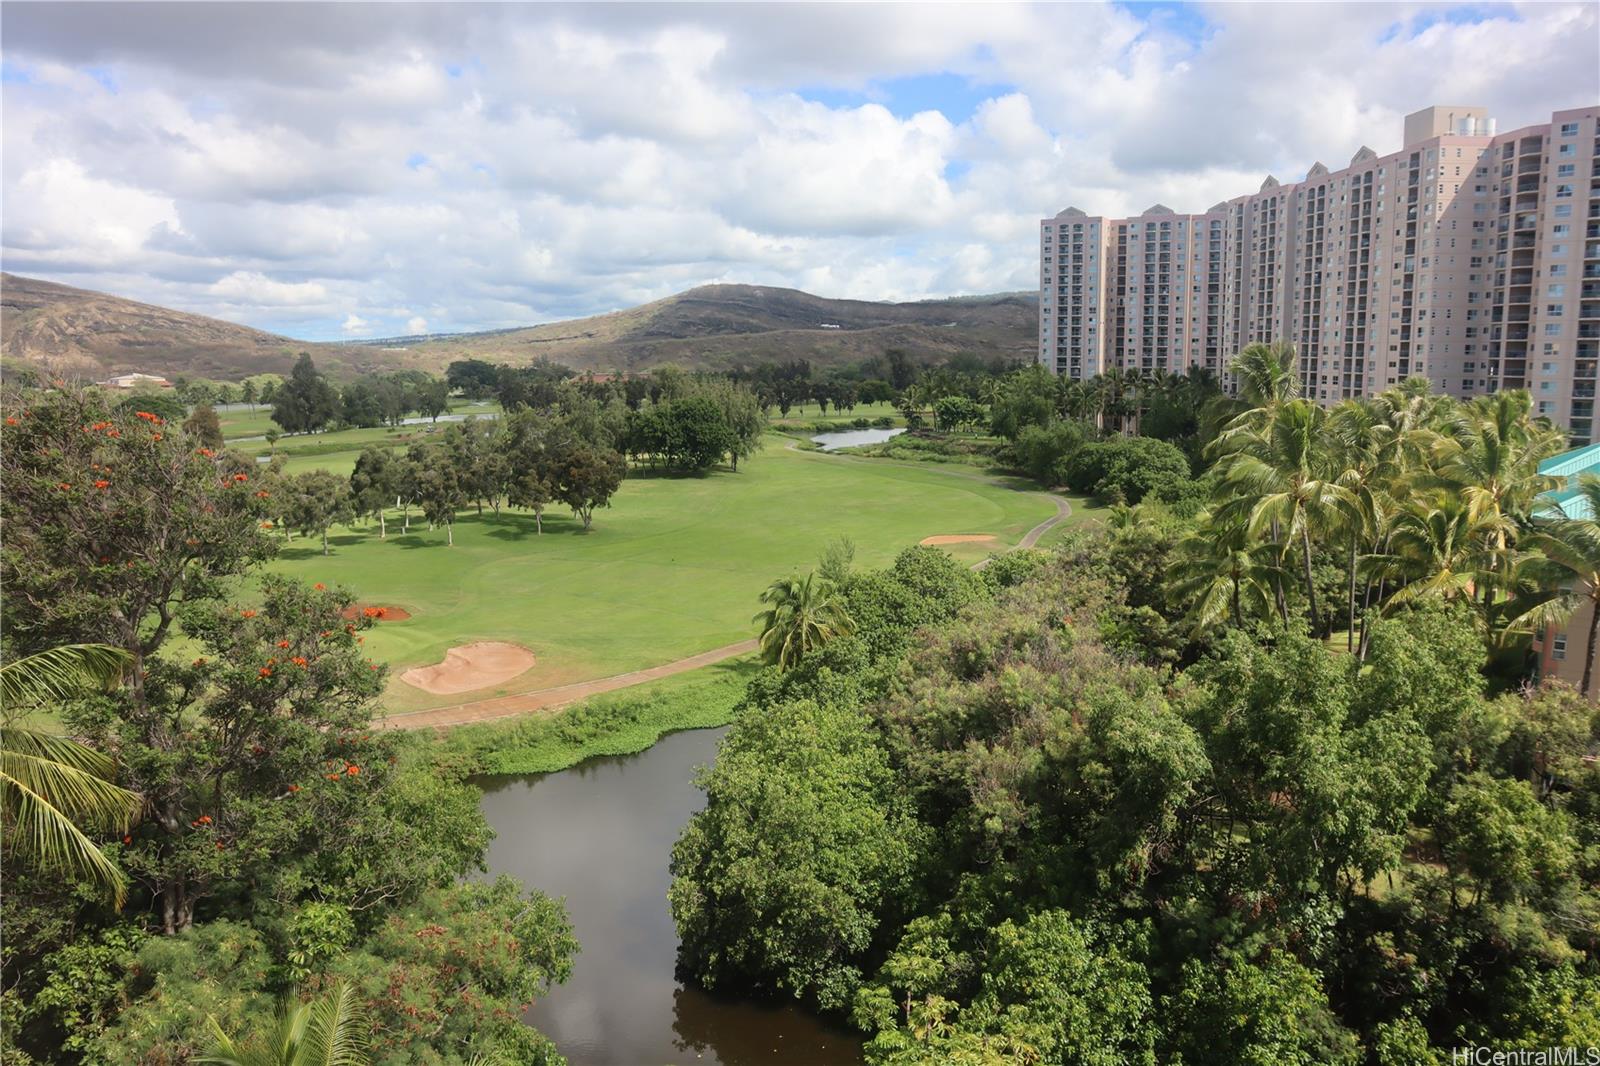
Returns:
(601,835)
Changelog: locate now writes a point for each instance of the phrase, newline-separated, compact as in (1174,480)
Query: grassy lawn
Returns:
(671,569)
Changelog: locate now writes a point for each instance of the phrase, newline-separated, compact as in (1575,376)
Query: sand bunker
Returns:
(959,538)
(471,666)
(376,611)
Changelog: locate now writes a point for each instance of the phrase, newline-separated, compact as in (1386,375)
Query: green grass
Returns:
(617,724)
(247,423)
(673,568)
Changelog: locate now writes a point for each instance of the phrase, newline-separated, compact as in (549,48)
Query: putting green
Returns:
(671,569)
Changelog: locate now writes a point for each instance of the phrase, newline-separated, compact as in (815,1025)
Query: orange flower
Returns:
(125,840)
(300,661)
(220,845)
(283,643)
(263,494)
(319,586)
(353,770)
(333,777)
(200,661)
(265,671)
(148,417)
(102,484)
(157,436)
(65,486)
(205,819)
(294,788)
(266,525)
(207,452)
(10,421)
(247,614)
(241,477)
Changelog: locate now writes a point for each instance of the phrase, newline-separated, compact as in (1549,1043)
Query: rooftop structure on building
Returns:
(1470,257)
(135,381)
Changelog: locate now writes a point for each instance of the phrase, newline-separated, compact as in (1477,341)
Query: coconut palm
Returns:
(1222,574)
(1495,467)
(1284,482)
(325,1032)
(1565,565)
(1441,549)
(802,615)
(51,787)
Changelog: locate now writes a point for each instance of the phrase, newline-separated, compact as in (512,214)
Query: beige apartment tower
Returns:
(1469,257)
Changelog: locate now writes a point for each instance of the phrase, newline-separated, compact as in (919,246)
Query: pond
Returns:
(601,835)
(851,438)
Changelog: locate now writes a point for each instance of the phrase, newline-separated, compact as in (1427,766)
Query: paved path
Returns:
(545,699)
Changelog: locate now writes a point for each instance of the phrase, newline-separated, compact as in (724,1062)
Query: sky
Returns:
(340,171)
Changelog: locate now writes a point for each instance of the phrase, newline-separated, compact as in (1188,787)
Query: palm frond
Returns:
(62,673)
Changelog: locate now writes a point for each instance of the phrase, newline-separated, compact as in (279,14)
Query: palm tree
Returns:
(324,1032)
(1285,479)
(1268,374)
(1566,565)
(51,785)
(1495,467)
(1221,574)
(802,615)
(1440,549)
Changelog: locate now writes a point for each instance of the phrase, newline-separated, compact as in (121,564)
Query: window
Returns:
(1552,329)
(1561,230)
(1558,251)
(1556,290)
(1558,647)
(1569,129)
(1563,192)
(1558,270)
(1569,149)
(1566,170)
(1554,310)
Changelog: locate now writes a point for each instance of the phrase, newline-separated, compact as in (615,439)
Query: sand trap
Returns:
(471,666)
(959,538)
(384,613)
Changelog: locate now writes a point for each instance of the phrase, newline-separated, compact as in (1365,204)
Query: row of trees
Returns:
(1003,817)
(308,402)
(275,845)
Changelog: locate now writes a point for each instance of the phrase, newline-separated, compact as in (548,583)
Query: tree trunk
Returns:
(538,520)
(1350,633)
(1311,590)
(450,534)
(1588,655)
(383,530)
(324,540)
(1238,615)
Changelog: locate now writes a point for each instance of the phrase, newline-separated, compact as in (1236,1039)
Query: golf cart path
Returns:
(546,699)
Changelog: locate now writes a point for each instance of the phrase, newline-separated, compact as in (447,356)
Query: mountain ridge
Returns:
(81,332)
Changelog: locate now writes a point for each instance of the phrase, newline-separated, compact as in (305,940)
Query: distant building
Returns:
(1469,257)
(135,381)
(1562,649)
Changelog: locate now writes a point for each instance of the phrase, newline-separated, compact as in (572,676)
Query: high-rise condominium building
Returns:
(1469,257)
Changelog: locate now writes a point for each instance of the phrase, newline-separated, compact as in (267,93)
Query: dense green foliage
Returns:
(282,848)
(1030,817)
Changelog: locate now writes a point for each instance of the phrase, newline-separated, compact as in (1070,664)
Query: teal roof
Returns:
(1569,465)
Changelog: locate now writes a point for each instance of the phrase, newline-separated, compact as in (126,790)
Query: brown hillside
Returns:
(718,325)
(81,333)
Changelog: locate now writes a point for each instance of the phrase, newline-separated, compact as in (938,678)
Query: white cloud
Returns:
(477,166)
(416,324)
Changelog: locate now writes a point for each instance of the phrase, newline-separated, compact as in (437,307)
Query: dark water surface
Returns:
(601,835)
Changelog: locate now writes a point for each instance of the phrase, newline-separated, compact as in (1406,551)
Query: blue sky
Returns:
(340,171)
